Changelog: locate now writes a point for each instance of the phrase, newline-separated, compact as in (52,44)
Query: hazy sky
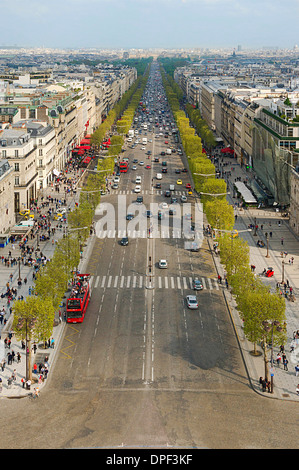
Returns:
(149,23)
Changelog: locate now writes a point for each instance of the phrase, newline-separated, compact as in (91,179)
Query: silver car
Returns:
(192,302)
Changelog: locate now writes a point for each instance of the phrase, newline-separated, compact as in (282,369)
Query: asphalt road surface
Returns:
(143,370)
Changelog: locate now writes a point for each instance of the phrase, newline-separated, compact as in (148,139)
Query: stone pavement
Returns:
(285,381)
(47,248)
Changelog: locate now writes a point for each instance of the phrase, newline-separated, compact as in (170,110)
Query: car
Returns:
(196,284)
(58,216)
(164,170)
(116,179)
(143,148)
(161,215)
(184,170)
(188,186)
(135,160)
(158,185)
(138,180)
(167,193)
(173,200)
(177,171)
(162,154)
(115,186)
(183,198)
(24,212)
(166,141)
(163,205)
(192,302)
(179,182)
(188,216)
(164,163)
(156,160)
(134,167)
(148,152)
(130,216)
(141,163)
(139,199)
(137,188)
(162,264)
(172,211)
(124,241)
(148,167)
(149,214)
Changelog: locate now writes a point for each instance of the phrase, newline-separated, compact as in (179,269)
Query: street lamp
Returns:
(269,326)
(267,255)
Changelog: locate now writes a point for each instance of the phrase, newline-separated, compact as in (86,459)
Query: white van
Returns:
(159,176)
(144,140)
(138,180)
(168,151)
(171,187)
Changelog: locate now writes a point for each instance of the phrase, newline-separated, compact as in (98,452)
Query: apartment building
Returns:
(18,148)
(7,211)
(294,200)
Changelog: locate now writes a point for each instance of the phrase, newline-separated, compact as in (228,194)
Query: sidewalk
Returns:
(285,381)
(16,390)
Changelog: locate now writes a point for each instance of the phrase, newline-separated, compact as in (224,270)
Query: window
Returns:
(16,153)
(17,181)
(17,167)
(4,153)
(40,152)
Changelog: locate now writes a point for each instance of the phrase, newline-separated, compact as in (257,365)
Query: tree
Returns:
(220,214)
(234,252)
(33,321)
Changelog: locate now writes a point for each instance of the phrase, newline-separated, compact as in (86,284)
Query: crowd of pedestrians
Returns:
(30,252)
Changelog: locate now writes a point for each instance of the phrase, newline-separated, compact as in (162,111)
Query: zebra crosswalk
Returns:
(142,233)
(158,192)
(159,282)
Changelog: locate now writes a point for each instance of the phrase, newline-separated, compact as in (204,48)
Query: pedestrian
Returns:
(52,343)
(278,359)
(297,370)
(269,386)
(3,363)
(285,364)
(28,384)
(264,385)
(219,278)
(281,240)
(18,357)
(297,389)
(0,384)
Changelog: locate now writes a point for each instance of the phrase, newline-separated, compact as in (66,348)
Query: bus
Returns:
(78,301)
(123,167)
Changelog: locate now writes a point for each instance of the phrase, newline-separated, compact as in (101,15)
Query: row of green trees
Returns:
(34,317)
(256,304)
(213,191)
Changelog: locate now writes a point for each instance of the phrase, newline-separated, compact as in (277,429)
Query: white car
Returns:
(116,179)
(162,264)
(143,148)
(141,163)
(134,167)
(163,205)
(192,302)
(138,188)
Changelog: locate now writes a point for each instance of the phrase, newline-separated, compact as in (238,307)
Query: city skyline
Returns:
(150,24)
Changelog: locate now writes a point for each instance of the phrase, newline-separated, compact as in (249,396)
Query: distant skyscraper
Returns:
(239,48)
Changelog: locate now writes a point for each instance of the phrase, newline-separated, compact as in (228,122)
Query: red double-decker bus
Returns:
(78,301)
(123,167)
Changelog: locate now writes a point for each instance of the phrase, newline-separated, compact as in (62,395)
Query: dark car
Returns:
(124,241)
(158,185)
(177,170)
(164,170)
(130,216)
(139,199)
(162,153)
(167,193)
(164,163)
